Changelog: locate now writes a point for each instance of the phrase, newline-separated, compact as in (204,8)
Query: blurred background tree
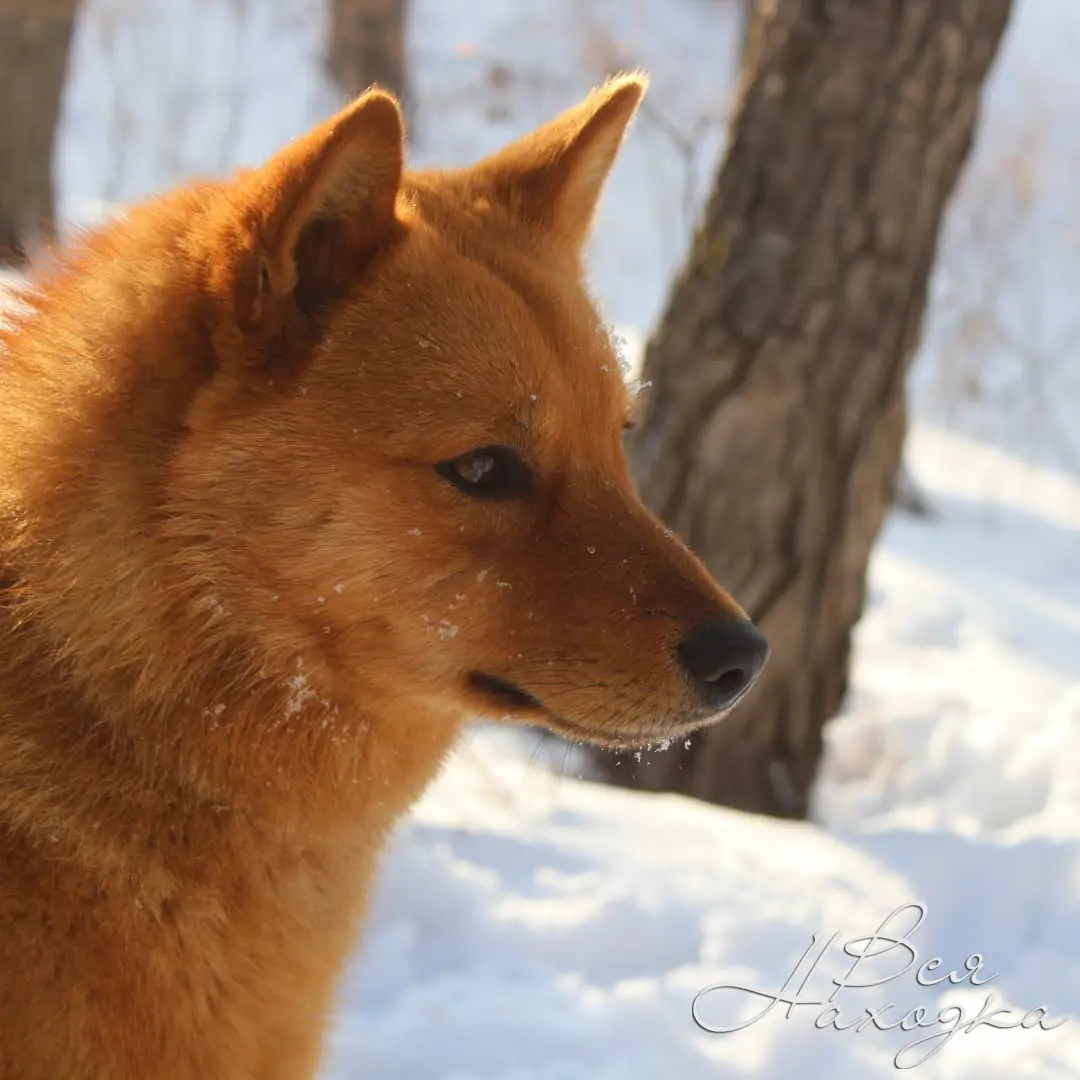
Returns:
(772,433)
(35,38)
(367,45)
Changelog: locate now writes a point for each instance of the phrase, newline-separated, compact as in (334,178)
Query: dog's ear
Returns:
(552,178)
(300,227)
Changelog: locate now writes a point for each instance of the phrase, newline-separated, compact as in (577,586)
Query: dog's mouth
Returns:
(508,695)
(505,694)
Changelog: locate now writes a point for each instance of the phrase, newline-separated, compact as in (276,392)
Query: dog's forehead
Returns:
(488,322)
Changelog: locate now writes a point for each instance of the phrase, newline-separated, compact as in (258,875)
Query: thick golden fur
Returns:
(239,606)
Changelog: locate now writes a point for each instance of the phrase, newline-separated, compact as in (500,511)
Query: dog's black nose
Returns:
(724,657)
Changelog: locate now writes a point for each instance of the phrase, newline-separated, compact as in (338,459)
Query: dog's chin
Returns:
(521,706)
(636,738)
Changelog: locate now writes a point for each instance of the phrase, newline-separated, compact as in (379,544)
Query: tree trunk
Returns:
(367,45)
(772,432)
(35,36)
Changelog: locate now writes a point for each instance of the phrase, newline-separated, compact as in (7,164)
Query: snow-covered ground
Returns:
(531,926)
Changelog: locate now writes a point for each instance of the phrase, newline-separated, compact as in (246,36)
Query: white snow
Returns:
(531,926)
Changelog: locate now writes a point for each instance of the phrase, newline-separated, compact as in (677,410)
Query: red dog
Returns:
(299,471)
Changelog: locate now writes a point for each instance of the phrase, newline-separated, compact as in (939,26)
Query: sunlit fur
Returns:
(239,606)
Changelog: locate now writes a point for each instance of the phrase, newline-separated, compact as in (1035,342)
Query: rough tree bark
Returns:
(772,432)
(35,37)
(367,45)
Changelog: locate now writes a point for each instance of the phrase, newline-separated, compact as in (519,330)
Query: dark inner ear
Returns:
(322,265)
(329,258)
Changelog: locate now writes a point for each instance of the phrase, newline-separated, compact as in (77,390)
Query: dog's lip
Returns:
(515,696)
(508,693)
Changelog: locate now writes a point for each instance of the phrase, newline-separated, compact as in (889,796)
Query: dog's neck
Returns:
(261,749)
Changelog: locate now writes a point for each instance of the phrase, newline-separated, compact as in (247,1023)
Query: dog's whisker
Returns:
(567,751)
(534,757)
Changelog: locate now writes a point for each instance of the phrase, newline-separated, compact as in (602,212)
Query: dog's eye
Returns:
(492,472)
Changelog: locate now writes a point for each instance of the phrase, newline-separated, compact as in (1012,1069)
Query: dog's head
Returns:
(414,437)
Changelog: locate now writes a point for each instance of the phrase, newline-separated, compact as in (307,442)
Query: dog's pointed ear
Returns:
(552,178)
(300,227)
